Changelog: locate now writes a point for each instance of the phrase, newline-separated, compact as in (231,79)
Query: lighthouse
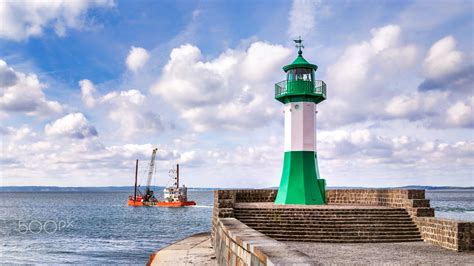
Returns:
(300,93)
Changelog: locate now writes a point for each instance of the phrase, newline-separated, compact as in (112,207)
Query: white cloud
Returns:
(457,82)
(131,96)
(302,17)
(17,134)
(362,146)
(437,108)
(361,65)
(20,92)
(442,58)
(440,100)
(334,145)
(261,61)
(7,75)
(416,105)
(20,20)
(73,125)
(460,114)
(22,132)
(230,91)
(87,92)
(191,159)
(128,109)
(188,82)
(137,58)
(82,162)
(244,156)
(366,75)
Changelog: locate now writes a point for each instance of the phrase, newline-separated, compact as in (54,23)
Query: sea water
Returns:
(98,228)
(56,227)
(452,203)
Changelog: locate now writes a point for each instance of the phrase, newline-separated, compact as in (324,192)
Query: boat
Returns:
(174,196)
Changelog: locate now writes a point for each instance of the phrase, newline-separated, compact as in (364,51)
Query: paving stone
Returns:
(194,250)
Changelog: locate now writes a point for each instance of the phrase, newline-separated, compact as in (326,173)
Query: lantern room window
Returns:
(305,74)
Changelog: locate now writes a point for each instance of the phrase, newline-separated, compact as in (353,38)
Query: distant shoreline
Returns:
(159,188)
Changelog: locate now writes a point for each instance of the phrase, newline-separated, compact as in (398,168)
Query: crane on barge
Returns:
(138,196)
(149,195)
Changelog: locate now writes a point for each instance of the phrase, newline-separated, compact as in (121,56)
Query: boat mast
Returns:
(177,175)
(136,174)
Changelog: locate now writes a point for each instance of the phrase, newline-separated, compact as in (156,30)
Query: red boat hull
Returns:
(175,204)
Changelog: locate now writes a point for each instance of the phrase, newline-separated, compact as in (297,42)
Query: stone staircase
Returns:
(332,225)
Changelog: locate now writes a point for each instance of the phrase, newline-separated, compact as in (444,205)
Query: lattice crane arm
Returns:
(151,169)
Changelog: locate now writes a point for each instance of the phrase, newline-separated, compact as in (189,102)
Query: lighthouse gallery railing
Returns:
(317,88)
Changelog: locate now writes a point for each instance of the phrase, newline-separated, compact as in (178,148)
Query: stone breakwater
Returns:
(449,234)
(234,242)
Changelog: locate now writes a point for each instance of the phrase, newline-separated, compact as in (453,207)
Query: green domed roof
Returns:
(300,62)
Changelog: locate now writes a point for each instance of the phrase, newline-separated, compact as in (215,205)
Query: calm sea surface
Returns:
(55,227)
(452,204)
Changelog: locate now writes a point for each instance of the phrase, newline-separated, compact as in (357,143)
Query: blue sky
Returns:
(86,87)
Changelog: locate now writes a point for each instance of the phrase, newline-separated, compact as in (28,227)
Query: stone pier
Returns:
(248,229)
(358,226)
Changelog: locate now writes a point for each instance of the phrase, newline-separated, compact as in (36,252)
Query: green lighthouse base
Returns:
(300,182)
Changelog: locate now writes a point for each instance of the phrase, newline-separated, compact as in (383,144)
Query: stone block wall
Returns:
(224,201)
(256,195)
(223,207)
(449,234)
(228,251)
(237,244)
(413,200)
(385,197)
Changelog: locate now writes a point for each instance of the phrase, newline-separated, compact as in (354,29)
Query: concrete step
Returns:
(344,237)
(291,215)
(309,214)
(313,224)
(332,225)
(330,240)
(340,229)
(329,222)
(347,239)
(324,218)
(322,213)
(252,210)
(365,233)
(325,214)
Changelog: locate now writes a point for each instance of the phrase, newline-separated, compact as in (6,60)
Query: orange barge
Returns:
(174,196)
(139,203)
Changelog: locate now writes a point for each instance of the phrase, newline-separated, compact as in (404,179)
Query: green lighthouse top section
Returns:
(300,84)
(300,62)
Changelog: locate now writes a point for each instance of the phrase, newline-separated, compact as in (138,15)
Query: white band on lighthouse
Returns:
(300,122)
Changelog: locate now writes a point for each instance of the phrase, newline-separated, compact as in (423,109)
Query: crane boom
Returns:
(151,169)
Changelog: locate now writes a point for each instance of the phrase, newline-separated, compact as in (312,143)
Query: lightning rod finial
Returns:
(299,45)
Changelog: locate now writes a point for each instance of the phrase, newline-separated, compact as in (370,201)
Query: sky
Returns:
(87,87)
